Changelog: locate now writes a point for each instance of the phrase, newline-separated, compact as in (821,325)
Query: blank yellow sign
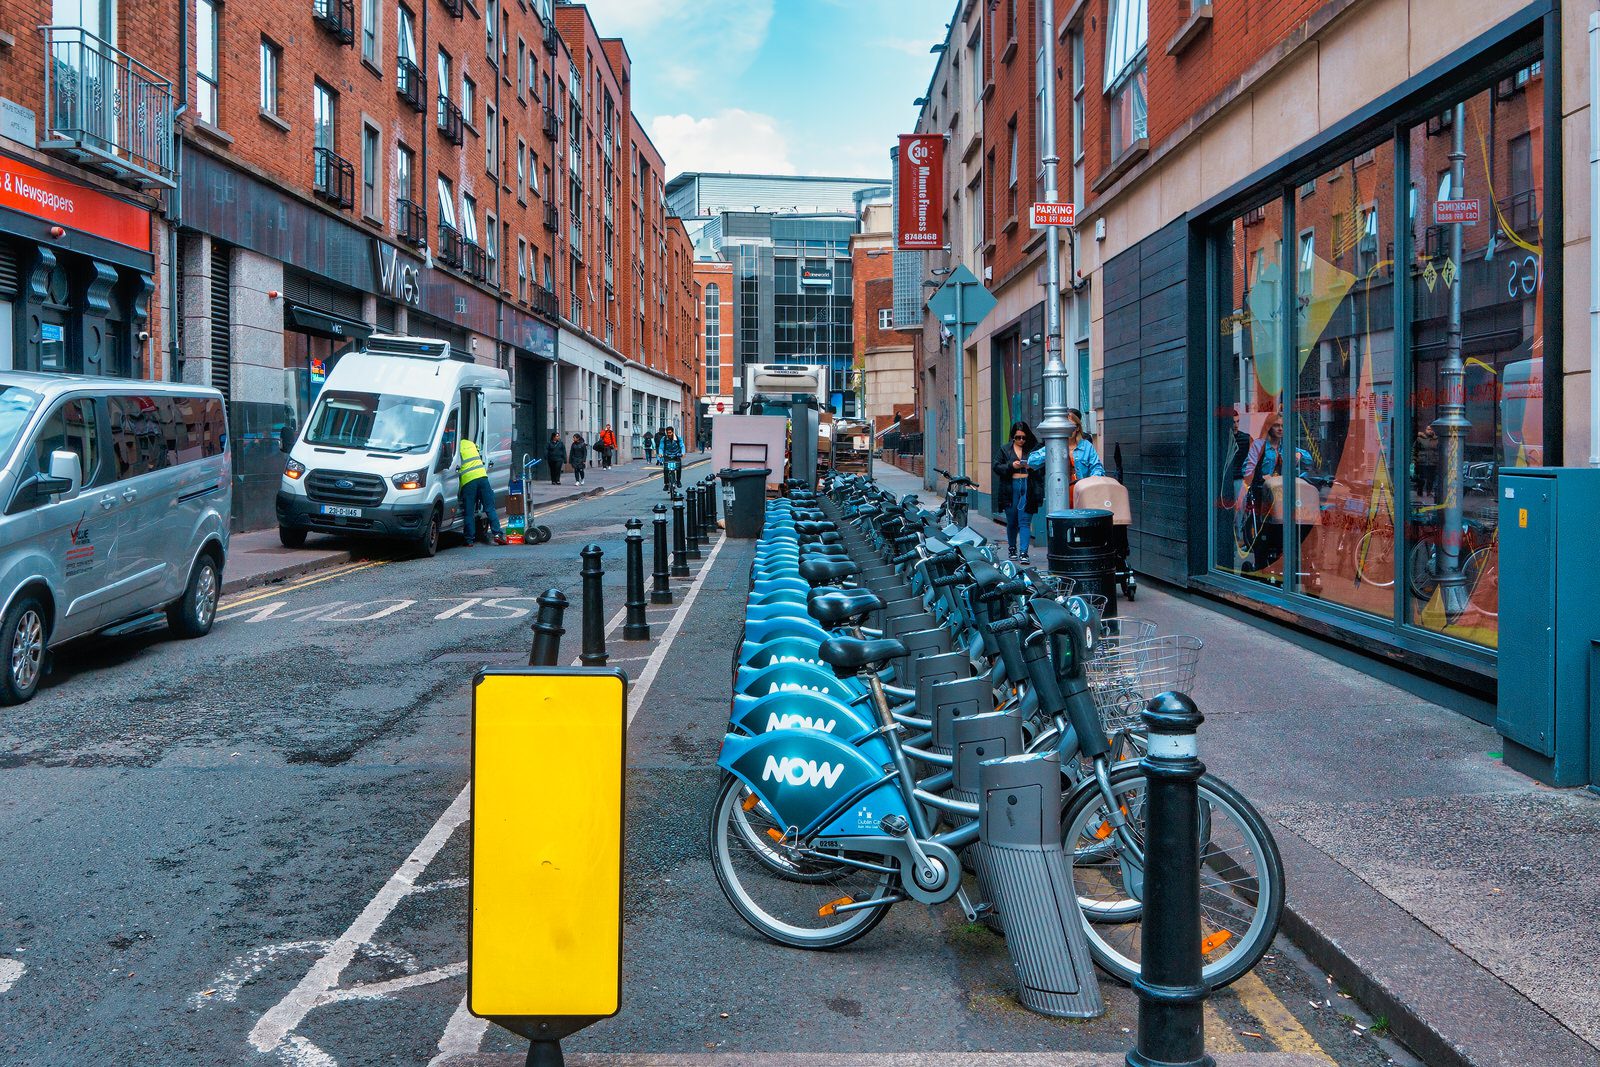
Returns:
(545,944)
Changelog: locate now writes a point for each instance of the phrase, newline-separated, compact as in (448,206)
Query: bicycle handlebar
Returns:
(904,557)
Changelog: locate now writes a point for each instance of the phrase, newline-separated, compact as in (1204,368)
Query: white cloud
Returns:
(730,140)
(720,36)
(911,46)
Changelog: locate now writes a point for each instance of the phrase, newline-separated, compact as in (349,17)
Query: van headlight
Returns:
(411,479)
(293,469)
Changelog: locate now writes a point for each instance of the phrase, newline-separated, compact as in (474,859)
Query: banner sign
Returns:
(68,204)
(920,192)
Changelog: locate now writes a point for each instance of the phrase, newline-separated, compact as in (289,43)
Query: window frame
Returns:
(371,171)
(208,82)
(270,72)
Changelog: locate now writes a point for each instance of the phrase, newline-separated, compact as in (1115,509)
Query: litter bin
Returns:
(744,500)
(1079,547)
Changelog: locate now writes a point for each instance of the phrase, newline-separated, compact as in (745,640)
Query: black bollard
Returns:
(691,521)
(708,509)
(544,1052)
(1171,993)
(661,590)
(636,628)
(594,623)
(680,544)
(547,629)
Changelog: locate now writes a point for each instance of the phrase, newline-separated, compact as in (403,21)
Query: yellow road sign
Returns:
(544,955)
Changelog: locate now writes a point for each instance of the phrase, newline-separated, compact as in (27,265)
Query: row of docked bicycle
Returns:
(898,683)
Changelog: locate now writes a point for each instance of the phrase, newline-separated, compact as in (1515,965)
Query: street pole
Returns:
(1053,429)
(961,384)
(1452,423)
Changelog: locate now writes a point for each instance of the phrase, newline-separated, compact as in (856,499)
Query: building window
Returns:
(522,169)
(522,269)
(404,166)
(447,203)
(491,25)
(885,318)
(469,100)
(1126,48)
(371,30)
(491,243)
(522,83)
(206,50)
(371,171)
(713,334)
(271,64)
(1011,189)
(469,217)
(1078,83)
(491,140)
(324,102)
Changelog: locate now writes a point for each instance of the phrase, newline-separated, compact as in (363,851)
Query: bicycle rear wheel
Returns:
(789,897)
(1375,558)
(1241,878)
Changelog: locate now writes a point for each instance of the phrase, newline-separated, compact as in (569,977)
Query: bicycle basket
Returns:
(1118,630)
(1054,586)
(1133,671)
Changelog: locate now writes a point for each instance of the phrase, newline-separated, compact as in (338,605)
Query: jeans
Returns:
(473,494)
(1019,520)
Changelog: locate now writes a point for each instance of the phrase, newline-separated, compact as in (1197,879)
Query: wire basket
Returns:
(1130,673)
(1054,586)
(1118,631)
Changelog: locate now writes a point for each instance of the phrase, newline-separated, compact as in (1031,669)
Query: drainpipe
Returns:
(1594,239)
(175,199)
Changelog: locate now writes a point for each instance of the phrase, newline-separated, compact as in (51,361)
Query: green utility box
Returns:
(1549,622)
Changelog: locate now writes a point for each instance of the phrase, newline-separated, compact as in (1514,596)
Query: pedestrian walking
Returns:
(579,455)
(555,456)
(1080,446)
(649,447)
(608,445)
(1020,486)
(475,492)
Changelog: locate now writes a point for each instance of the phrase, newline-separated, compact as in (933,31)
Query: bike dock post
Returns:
(680,544)
(1170,988)
(547,629)
(635,628)
(594,622)
(1019,820)
(691,522)
(661,589)
(975,738)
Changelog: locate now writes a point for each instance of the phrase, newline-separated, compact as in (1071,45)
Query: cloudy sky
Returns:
(776,86)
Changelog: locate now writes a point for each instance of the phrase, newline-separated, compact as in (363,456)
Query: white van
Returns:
(377,456)
(114,506)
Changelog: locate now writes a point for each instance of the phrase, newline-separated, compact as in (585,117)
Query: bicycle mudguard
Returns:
(787,677)
(797,710)
(795,584)
(765,612)
(808,779)
(761,631)
(761,654)
(779,596)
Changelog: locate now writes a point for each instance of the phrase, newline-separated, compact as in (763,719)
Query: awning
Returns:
(324,323)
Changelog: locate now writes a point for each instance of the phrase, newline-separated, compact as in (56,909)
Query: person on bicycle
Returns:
(1020,486)
(669,449)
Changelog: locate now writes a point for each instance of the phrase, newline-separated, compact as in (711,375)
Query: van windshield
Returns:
(16,405)
(378,421)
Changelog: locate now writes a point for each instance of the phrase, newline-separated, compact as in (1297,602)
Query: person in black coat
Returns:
(579,454)
(1018,487)
(555,457)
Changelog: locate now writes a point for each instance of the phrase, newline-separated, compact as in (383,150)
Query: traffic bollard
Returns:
(1019,832)
(545,1054)
(708,509)
(661,590)
(636,628)
(594,623)
(691,521)
(680,543)
(1171,992)
(547,629)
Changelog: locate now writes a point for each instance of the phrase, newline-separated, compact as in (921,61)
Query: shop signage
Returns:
(399,277)
(612,368)
(77,207)
(1054,215)
(919,189)
(18,123)
(820,276)
(1450,212)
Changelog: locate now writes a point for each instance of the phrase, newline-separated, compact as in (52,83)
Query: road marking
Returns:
(325,576)
(275,1026)
(647,677)
(463,1035)
(1278,1023)
(1219,1035)
(10,971)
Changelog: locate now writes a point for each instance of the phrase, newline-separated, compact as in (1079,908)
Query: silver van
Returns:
(114,505)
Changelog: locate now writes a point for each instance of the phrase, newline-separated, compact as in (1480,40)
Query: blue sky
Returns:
(780,86)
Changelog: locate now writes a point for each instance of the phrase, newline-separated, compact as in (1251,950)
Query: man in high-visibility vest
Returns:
(474,491)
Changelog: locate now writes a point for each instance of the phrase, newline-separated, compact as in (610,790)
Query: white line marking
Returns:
(380,990)
(10,971)
(463,1035)
(284,1016)
(647,677)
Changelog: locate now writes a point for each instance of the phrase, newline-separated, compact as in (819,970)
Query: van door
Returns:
(144,485)
(499,441)
(75,532)
(444,469)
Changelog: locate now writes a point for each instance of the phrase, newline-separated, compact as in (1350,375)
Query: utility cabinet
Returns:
(1549,623)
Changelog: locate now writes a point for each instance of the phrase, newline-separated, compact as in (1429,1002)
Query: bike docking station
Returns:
(544,942)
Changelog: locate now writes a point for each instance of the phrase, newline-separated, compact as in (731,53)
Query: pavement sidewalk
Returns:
(1450,895)
(256,558)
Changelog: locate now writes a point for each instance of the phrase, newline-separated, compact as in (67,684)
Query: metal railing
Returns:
(545,301)
(1521,212)
(552,124)
(474,260)
(412,223)
(448,251)
(454,7)
(104,107)
(334,177)
(338,17)
(450,122)
(409,83)
(552,218)
(551,38)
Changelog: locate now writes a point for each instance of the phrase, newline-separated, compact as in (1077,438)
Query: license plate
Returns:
(335,509)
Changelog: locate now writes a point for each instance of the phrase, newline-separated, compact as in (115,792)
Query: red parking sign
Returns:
(1054,215)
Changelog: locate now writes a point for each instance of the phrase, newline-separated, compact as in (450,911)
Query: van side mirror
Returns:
(66,472)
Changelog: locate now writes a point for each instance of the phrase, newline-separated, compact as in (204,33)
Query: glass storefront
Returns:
(1377,359)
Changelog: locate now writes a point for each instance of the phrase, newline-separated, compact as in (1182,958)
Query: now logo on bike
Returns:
(797,771)
(791,720)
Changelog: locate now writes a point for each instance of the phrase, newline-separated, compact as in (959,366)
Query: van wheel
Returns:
(22,641)
(428,543)
(291,538)
(193,615)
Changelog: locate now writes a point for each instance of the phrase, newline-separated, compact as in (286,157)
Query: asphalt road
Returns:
(251,848)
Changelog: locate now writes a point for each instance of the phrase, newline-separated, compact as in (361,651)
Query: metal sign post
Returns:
(544,941)
(960,304)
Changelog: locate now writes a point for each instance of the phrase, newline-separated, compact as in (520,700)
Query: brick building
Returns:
(299,174)
(714,351)
(885,355)
(1312,236)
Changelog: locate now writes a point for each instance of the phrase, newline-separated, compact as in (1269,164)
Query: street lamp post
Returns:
(1053,428)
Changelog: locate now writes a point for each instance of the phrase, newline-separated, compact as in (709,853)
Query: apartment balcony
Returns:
(334,178)
(449,250)
(412,223)
(545,302)
(105,109)
(552,218)
(409,84)
(450,122)
(552,123)
(338,17)
(474,261)
(1521,213)
(551,38)
(455,7)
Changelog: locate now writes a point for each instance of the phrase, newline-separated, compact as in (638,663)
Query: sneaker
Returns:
(500,539)
(1011,553)
(1024,558)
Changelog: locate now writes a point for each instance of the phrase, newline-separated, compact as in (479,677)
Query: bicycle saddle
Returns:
(848,655)
(823,571)
(837,607)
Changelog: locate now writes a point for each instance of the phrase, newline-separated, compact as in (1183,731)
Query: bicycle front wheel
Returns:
(1241,877)
(789,897)
(1375,558)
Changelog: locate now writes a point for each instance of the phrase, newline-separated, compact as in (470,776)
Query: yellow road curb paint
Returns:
(1278,1024)
(338,572)
(1219,1035)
